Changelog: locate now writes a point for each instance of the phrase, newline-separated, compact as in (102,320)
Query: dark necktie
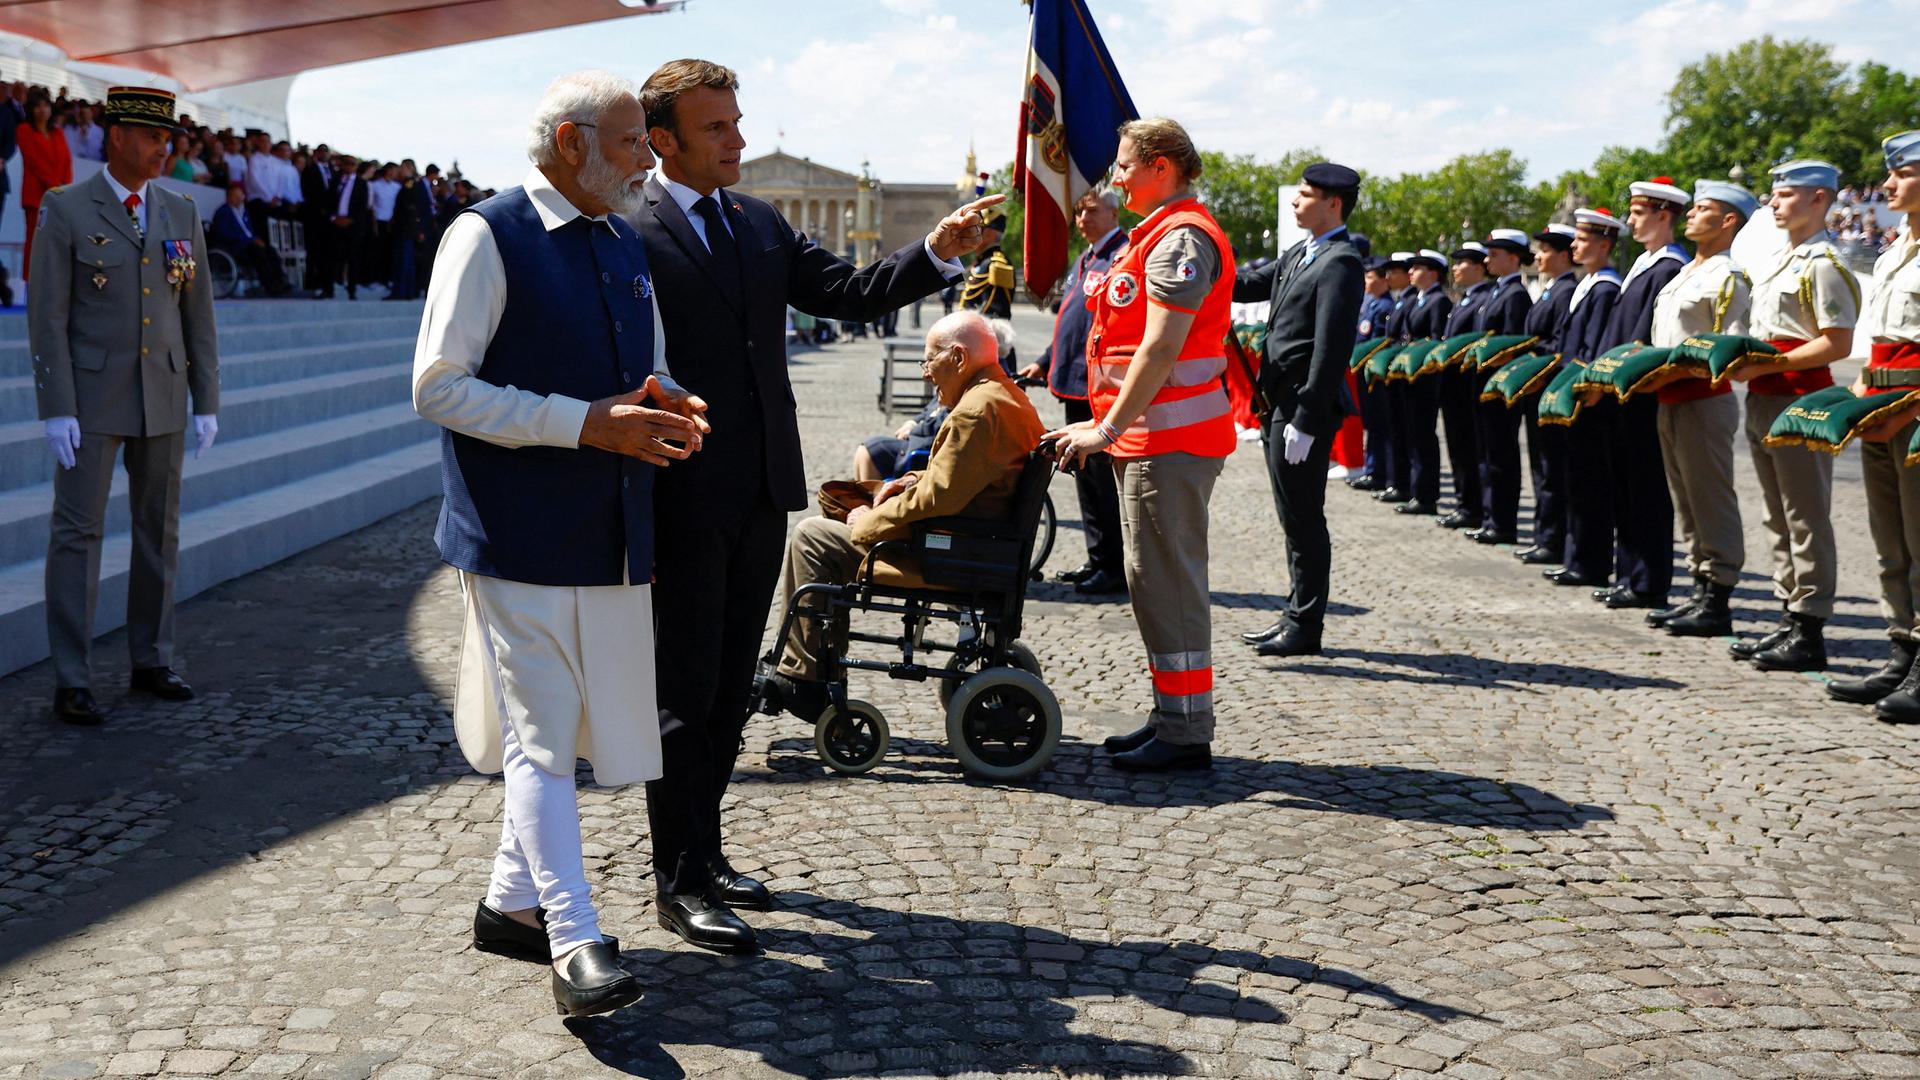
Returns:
(726,259)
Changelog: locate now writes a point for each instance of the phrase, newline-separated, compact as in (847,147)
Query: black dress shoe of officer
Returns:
(1879,684)
(1600,595)
(494,932)
(1295,640)
(1159,756)
(1746,650)
(737,890)
(1366,482)
(1392,495)
(1132,740)
(75,705)
(161,683)
(1624,597)
(1076,575)
(702,922)
(1255,637)
(1566,576)
(589,981)
(1102,583)
(1460,519)
(1416,507)
(1538,556)
(1486,535)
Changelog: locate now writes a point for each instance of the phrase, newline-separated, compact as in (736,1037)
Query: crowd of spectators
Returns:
(1859,228)
(361,222)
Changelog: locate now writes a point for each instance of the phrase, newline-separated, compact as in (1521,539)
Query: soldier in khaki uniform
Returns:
(120,322)
(1805,303)
(1698,421)
(1893,486)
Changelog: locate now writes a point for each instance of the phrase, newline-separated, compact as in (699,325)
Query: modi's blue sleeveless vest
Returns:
(578,321)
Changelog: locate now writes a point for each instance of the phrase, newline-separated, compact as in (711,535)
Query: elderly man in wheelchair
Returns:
(946,544)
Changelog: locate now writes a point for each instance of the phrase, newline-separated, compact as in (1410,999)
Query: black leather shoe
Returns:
(494,933)
(1076,575)
(1803,649)
(737,890)
(1567,577)
(1255,637)
(161,683)
(1132,740)
(589,980)
(1460,519)
(1746,650)
(1624,597)
(1713,617)
(1416,507)
(1367,482)
(1538,556)
(1485,535)
(1295,640)
(702,922)
(1102,583)
(1879,684)
(1157,756)
(75,705)
(1392,495)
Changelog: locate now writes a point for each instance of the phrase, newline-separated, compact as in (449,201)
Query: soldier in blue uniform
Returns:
(1547,446)
(1589,501)
(1424,321)
(1375,308)
(1505,312)
(1398,462)
(1460,388)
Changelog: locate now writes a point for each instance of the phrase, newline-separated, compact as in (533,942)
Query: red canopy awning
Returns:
(210,43)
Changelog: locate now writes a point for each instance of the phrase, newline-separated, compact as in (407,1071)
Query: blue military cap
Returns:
(1361,243)
(1472,249)
(1901,149)
(1375,264)
(1733,195)
(1807,173)
(1328,176)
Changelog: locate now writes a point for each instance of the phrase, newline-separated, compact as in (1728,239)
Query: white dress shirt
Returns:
(263,181)
(87,142)
(465,298)
(120,196)
(382,193)
(685,197)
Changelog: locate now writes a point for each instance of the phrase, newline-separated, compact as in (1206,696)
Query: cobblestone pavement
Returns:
(1494,831)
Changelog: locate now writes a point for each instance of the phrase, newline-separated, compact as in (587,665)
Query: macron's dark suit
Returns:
(1310,332)
(720,517)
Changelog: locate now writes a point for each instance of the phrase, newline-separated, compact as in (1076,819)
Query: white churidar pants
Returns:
(539,863)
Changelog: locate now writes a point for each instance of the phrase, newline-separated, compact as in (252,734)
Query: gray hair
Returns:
(973,333)
(1002,335)
(1108,197)
(580,98)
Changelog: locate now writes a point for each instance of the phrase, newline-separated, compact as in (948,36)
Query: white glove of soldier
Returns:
(63,438)
(1298,443)
(204,429)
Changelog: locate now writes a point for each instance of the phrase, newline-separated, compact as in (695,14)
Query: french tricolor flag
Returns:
(1070,119)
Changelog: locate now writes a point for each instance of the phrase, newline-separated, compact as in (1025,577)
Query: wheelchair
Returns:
(1003,723)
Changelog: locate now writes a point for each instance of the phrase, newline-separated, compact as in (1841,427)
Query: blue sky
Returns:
(907,83)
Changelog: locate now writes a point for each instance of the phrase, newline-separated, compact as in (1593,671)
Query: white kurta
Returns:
(571,668)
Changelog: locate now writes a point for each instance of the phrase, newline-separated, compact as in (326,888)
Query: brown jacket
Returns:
(975,464)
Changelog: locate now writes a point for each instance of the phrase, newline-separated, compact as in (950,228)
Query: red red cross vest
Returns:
(1190,414)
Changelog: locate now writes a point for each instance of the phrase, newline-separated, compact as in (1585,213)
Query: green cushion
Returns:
(1454,349)
(1621,371)
(1252,337)
(1413,360)
(1725,354)
(1518,378)
(1497,350)
(1378,363)
(1559,402)
(1829,418)
(1363,350)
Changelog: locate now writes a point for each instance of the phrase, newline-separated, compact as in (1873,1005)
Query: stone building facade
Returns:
(820,201)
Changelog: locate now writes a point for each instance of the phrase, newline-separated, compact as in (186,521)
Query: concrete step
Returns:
(16,359)
(25,459)
(247,370)
(13,322)
(232,538)
(231,470)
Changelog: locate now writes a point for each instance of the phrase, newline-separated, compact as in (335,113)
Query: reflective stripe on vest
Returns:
(1189,412)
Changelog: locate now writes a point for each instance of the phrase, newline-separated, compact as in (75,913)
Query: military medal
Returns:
(180,262)
(100,239)
(99,279)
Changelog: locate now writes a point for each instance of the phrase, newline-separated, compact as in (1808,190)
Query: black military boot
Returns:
(1903,705)
(1803,649)
(1745,650)
(1665,615)
(1879,684)
(1712,617)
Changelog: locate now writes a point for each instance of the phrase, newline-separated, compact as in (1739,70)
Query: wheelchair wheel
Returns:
(1021,656)
(1043,539)
(851,740)
(224,271)
(1003,724)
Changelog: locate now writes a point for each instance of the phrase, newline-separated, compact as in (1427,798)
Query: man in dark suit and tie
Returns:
(1315,289)
(316,208)
(352,222)
(726,267)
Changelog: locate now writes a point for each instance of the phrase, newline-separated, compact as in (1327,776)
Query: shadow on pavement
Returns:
(919,992)
(1080,771)
(1462,669)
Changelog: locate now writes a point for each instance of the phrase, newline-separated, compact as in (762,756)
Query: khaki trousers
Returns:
(79,524)
(1797,487)
(821,549)
(1163,518)
(1696,443)
(1893,516)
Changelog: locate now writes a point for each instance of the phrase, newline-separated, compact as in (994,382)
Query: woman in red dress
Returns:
(45,162)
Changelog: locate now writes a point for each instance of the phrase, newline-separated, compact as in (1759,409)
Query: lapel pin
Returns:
(99,280)
(100,239)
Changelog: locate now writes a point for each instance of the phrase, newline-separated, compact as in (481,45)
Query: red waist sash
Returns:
(1790,383)
(1894,354)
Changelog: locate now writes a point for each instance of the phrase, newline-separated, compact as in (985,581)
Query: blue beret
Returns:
(1901,149)
(1361,243)
(1733,195)
(1807,173)
(1328,176)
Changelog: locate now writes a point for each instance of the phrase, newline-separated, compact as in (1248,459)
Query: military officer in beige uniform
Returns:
(1893,486)
(1805,303)
(1697,421)
(120,321)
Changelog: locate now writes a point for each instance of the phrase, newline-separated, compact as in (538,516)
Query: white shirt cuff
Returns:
(949,268)
(566,417)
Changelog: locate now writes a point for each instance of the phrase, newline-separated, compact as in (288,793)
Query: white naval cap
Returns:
(1660,189)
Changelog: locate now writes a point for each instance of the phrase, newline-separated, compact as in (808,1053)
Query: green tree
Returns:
(1460,200)
(1243,194)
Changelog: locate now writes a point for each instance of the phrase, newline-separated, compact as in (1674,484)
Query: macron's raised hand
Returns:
(961,233)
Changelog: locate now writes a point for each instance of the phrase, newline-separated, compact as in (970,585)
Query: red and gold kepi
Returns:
(140,105)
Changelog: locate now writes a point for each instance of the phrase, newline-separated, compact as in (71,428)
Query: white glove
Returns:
(1298,443)
(63,438)
(204,429)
